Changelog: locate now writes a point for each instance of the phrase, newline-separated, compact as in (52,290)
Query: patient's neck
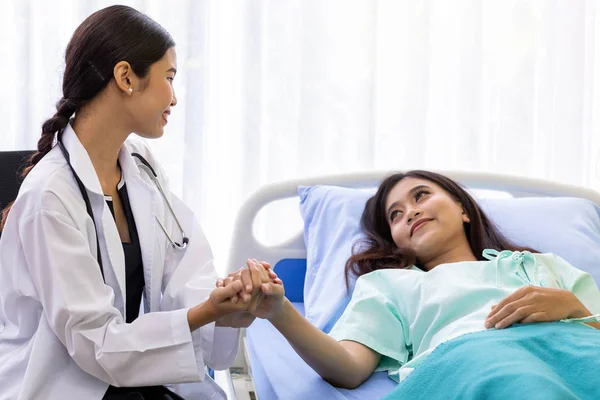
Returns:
(452,255)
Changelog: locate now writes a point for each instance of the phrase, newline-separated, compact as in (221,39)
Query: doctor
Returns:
(91,234)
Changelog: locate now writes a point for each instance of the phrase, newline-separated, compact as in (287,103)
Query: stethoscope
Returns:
(147,168)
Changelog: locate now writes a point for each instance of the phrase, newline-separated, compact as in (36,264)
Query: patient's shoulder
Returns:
(552,260)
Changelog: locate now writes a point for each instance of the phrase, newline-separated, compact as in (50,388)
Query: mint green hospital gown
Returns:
(404,314)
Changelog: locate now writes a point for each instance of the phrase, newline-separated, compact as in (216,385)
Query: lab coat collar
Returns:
(129,165)
(80,160)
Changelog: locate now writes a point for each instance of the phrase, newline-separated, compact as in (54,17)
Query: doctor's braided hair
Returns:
(108,36)
(378,249)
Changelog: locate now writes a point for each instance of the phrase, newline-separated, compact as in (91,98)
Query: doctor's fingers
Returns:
(267,267)
(257,274)
(260,274)
(222,294)
(220,281)
(273,277)
(242,274)
(246,278)
(227,282)
(251,281)
(265,264)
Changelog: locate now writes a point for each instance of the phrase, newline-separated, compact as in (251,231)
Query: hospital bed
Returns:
(279,373)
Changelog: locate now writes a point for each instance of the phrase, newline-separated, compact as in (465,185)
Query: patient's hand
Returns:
(535,304)
(269,301)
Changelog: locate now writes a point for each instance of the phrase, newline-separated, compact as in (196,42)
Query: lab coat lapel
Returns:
(144,200)
(115,269)
(108,235)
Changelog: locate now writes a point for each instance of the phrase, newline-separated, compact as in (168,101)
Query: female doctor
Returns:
(95,229)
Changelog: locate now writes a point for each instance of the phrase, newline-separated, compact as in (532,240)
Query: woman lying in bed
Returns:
(438,286)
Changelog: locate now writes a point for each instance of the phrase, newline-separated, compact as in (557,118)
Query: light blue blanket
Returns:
(533,361)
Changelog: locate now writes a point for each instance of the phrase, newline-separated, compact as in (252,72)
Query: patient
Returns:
(435,274)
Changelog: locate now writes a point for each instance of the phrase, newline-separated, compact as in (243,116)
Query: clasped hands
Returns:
(248,293)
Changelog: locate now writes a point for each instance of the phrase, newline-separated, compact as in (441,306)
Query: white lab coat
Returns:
(62,329)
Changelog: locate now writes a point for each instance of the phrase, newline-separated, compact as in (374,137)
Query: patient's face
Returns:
(424,218)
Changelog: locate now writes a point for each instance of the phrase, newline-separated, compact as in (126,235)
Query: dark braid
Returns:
(65,108)
(105,38)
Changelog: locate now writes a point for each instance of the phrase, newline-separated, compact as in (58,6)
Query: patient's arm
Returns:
(577,298)
(345,364)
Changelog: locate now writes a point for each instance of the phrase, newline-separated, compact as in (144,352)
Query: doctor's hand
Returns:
(535,304)
(249,294)
(267,294)
(251,277)
(217,306)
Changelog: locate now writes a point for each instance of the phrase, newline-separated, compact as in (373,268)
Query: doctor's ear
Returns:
(125,78)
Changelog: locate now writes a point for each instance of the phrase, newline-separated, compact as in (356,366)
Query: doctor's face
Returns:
(424,218)
(151,110)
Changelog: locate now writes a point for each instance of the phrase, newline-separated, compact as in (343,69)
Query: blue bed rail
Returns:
(292,272)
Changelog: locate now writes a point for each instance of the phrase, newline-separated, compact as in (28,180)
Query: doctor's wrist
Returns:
(202,314)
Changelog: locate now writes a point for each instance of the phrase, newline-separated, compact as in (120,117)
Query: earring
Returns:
(130,90)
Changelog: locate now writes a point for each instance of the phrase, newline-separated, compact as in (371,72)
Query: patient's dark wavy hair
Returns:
(378,250)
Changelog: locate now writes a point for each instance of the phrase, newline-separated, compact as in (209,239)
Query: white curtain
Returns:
(273,90)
